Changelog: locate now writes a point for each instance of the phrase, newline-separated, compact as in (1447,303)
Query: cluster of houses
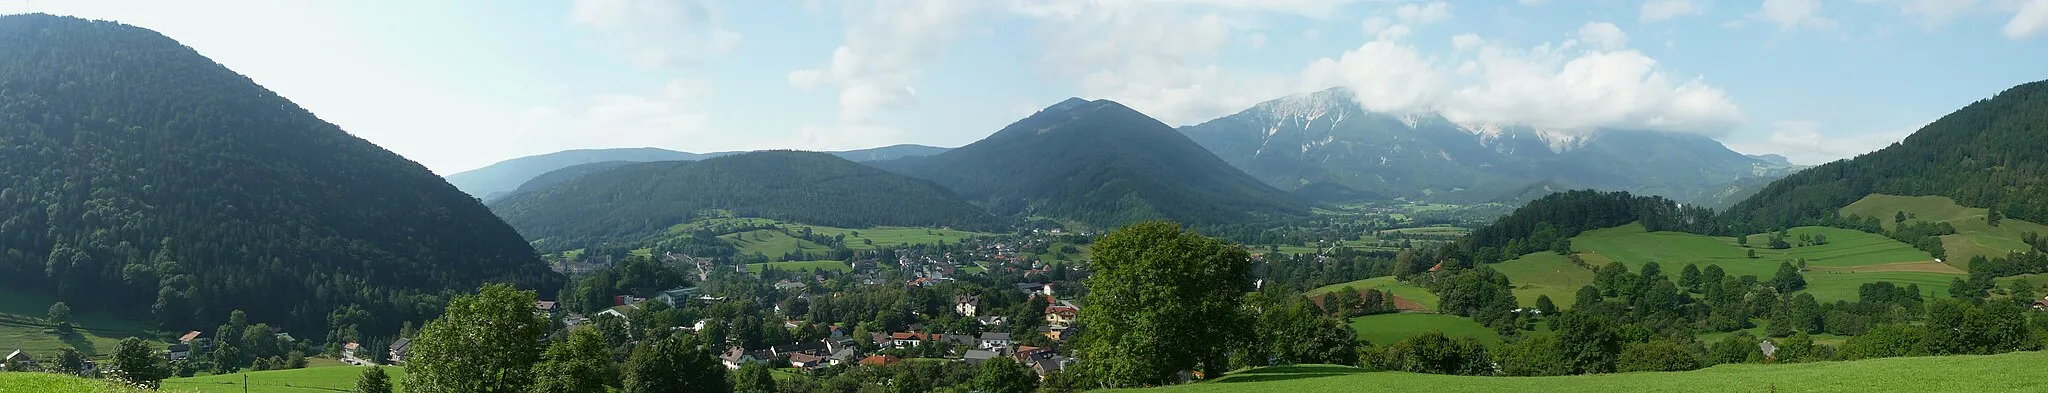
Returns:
(200,342)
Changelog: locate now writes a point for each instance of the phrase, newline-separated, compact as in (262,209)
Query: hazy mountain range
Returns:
(492,182)
(1323,142)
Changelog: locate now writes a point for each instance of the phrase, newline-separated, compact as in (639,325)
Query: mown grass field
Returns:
(1994,373)
(318,379)
(1545,274)
(1973,236)
(1384,329)
(1849,259)
(57,383)
(1385,284)
(891,236)
(772,243)
(836,266)
(23,327)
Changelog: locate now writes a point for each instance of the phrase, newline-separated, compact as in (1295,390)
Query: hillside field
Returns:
(1385,284)
(1385,329)
(23,327)
(836,266)
(1849,259)
(58,383)
(1992,373)
(1973,236)
(890,236)
(1545,273)
(317,379)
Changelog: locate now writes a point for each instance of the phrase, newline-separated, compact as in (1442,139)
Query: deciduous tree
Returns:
(1160,301)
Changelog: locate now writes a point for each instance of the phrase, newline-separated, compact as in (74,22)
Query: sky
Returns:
(457,85)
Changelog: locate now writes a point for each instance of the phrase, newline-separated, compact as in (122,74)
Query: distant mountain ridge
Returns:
(497,180)
(1326,137)
(637,203)
(1100,163)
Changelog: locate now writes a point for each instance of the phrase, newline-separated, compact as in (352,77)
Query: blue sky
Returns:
(457,85)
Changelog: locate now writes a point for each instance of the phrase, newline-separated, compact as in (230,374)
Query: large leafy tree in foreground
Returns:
(1161,301)
(487,342)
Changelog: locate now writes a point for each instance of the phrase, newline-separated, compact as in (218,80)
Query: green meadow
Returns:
(1992,373)
(1849,259)
(1973,237)
(23,327)
(1385,284)
(836,266)
(891,236)
(317,379)
(772,243)
(1545,274)
(1384,329)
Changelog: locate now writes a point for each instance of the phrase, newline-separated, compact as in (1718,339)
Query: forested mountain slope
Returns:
(1987,154)
(139,176)
(1101,163)
(639,202)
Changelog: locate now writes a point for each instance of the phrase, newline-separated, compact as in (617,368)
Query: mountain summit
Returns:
(1325,139)
(1100,163)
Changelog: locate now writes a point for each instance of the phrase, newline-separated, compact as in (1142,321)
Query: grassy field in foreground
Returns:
(1973,236)
(320,379)
(1385,284)
(57,383)
(836,266)
(1994,373)
(1545,273)
(22,327)
(1850,258)
(1385,329)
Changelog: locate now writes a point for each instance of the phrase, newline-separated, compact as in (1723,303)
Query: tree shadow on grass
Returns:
(1285,373)
(77,340)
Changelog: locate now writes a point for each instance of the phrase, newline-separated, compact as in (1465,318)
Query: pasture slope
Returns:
(1386,329)
(836,266)
(23,327)
(1992,373)
(316,379)
(1973,236)
(1849,259)
(1385,284)
(58,383)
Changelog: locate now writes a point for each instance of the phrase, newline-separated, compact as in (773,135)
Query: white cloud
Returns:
(659,32)
(1314,8)
(1532,3)
(1561,87)
(1793,14)
(1802,142)
(1603,34)
(1423,14)
(1156,59)
(2031,19)
(1383,75)
(1935,13)
(1467,41)
(886,44)
(1256,40)
(1374,25)
(1657,10)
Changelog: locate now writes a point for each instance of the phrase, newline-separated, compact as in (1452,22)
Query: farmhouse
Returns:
(399,350)
(995,341)
(880,360)
(977,357)
(1061,315)
(735,357)
(965,304)
(20,358)
(177,352)
(807,361)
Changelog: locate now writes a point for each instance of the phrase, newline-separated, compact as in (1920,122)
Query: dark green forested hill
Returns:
(140,176)
(1100,163)
(639,202)
(1987,154)
(560,176)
